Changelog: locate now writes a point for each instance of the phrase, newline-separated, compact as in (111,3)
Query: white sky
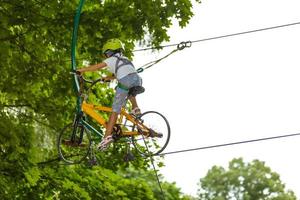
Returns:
(228,90)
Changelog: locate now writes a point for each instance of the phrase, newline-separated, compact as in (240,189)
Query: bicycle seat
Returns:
(136,90)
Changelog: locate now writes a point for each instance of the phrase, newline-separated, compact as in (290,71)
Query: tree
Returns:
(36,94)
(243,181)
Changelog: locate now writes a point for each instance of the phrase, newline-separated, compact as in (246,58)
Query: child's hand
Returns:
(106,79)
(78,72)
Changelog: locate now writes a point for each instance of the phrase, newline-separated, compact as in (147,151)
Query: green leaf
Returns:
(32,176)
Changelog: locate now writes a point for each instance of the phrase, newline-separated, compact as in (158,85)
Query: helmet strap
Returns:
(110,53)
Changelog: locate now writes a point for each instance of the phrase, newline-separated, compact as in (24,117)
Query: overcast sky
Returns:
(229,90)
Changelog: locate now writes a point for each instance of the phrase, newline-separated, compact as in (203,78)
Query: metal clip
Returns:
(183,45)
(140,70)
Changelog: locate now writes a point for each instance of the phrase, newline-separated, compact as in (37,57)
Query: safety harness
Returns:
(118,66)
(124,62)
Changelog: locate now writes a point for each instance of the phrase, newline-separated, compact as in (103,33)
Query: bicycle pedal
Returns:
(128,157)
(116,137)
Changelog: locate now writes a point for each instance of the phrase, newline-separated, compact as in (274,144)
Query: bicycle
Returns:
(149,132)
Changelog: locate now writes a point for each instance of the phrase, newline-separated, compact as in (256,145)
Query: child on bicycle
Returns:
(123,70)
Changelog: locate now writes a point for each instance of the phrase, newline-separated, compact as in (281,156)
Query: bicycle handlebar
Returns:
(92,82)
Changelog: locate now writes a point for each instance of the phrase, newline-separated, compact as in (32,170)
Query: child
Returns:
(124,71)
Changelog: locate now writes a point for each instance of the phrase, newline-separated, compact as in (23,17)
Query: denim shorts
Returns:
(120,98)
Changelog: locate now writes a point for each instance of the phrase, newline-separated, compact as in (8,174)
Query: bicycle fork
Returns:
(76,124)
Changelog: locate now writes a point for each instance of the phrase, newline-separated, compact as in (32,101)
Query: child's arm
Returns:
(92,68)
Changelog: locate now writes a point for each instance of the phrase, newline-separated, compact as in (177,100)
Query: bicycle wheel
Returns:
(158,140)
(74,143)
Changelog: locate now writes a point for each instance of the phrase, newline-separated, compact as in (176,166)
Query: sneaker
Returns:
(104,144)
(136,111)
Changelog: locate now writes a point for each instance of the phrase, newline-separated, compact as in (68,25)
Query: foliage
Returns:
(37,100)
(77,182)
(170,190)
(244,181)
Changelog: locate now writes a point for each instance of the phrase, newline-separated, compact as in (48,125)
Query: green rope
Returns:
(74,41)
(180,46)
(76,84)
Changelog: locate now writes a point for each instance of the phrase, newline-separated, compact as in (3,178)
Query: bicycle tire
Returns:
(150,146)
(74,143)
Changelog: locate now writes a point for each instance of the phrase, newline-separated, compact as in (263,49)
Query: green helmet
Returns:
(113,44)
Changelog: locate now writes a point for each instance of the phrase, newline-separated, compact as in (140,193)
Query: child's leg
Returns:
(133,101)
(110,124)
(135,109)
(119,101)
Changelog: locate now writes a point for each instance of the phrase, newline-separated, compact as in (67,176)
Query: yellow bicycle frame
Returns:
(89,109)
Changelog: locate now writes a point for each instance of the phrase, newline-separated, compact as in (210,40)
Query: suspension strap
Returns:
(157,178)
(155,171)
(180,46)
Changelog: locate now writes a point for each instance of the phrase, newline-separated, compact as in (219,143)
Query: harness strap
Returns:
(124,62)
(120,85)
(118,66)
